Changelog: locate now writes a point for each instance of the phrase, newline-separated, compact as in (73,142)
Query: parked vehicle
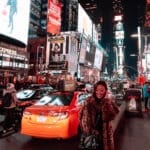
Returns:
(54,115)
(29,96)
(133,98)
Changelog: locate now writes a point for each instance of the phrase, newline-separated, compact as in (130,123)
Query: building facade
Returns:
(13,40)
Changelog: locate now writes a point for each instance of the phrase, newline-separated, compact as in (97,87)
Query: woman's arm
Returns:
(110,110)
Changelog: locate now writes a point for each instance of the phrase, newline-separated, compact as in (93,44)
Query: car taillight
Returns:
(60,115)
(26,114)
(64,115)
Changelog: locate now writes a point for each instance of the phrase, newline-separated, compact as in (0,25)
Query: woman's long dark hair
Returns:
(103,83)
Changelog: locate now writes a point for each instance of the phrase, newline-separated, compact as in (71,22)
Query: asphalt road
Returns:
(133,135)
(18,141)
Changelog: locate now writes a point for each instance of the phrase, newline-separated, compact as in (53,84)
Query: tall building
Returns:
(37,18)
(69,15)
(75,23)
(118,27)
(43,14)
(37,34)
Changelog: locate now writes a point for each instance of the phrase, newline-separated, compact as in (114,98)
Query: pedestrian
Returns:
(10,110)
(146,95)
(96,116)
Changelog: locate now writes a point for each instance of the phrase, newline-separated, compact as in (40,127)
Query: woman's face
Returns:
(100,91)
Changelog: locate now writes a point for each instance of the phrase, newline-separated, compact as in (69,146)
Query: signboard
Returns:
(11,58)
(54,16)
(56,49)
(98,59)
(84,22)
(83,50)
(60,65)
(14,19)
(119,34)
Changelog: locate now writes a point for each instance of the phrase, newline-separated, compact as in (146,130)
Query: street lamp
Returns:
(138,35)
(145,38)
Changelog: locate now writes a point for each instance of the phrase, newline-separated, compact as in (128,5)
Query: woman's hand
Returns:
(96,132)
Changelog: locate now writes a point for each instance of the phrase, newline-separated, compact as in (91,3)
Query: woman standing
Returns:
(10,110)
(96,116)
(146,96)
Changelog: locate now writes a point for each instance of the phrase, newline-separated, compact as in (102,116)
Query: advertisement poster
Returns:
(14,19)
(54,17)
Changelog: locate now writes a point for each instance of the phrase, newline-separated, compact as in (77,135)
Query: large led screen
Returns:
(54,17)
(14,19)
(98,59)
(84,22)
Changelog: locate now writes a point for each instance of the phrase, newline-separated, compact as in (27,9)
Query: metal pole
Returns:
(42,59)
(79,49)
(117,59)
(140,51)
(37,55)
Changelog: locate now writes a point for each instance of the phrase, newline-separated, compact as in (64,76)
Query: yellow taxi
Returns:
(54,115)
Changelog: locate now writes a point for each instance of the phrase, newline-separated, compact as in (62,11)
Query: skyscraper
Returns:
(36,17)
(118,29)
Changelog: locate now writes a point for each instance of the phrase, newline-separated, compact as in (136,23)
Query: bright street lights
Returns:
(138,35)
(133,55)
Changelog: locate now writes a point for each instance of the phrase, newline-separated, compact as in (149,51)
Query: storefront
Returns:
(13,62)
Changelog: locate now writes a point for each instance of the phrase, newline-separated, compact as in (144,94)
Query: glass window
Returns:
(82,98)
(56,100)
(25,94)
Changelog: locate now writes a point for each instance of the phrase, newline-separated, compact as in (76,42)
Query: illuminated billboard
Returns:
(54,17)
(14,19)
(98,59)
(84,22)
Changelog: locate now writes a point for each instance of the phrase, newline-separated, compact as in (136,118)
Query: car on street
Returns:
(29,96)
(54,116)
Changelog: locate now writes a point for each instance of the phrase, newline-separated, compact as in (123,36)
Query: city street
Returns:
(20,142)
(132,134)
(17,141)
